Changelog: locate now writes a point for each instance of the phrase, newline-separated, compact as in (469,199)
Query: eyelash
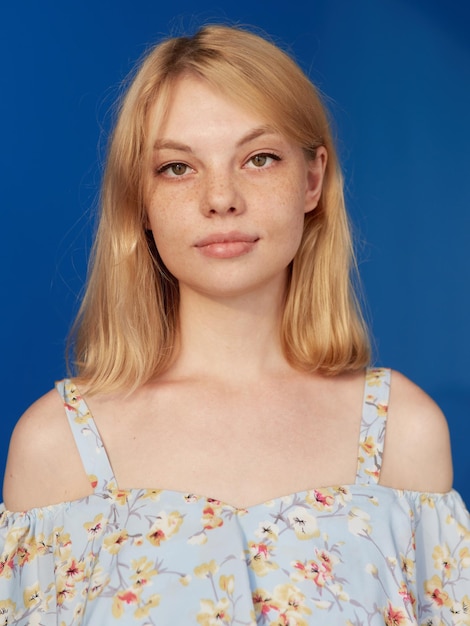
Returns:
(167,166)
(164,168)
(269,155)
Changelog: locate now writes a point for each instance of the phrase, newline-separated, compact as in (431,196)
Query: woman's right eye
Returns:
(173,170)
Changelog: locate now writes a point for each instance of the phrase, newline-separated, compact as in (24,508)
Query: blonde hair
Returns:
(127,326)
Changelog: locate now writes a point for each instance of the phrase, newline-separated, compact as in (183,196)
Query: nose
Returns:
(222,195)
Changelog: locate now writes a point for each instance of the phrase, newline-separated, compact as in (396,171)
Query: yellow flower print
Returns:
(152,494)
(6,566)
(321,499)
(372,569)
(433,589)
(212,614)
(310,570)
(26,552)
(227,583)
(64,592)
(96,527)
(32,596)
(374,472)
(407,566)
(93,480)
(342,495)
(461,612)
(78,612)
(121,599)
(73,400)
(327,560)
(464,555)
(144,609)
(185,580)
(62,542)
(7,611)
(358,522)
(118,495)
(42,545)
(319,571)
(395,617)
(291,603)
(143,571)
(211,515)
(71,393)
(392,562)
(132,597)
(206,569)
(406,594)
(443,560)
(263,602)
(382,409)
(463,532)
(259,558)
(115,541)
(15,536)
(427,500)
(369,446)
(374,377)
(82,418)
(267,530)
(164,527)
(72,571)
(31,548)
(98,582)
(304,525)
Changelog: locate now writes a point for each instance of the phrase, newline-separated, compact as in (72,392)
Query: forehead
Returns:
(190,104)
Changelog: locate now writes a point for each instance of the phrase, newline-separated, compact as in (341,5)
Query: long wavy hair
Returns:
(126,329)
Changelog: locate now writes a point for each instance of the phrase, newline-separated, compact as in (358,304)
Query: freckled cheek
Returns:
(166,208)
(172,229)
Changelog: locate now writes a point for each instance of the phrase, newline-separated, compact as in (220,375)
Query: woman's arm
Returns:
(43,465)
(417,452)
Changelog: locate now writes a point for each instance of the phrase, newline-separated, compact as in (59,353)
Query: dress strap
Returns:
(373,423)
(87,437)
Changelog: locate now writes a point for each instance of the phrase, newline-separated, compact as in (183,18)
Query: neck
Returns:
(236,338)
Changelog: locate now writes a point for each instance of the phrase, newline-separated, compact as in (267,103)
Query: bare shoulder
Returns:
(417,452)
(43,465)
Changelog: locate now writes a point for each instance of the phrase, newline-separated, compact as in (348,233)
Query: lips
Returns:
(227,245)
(222,238)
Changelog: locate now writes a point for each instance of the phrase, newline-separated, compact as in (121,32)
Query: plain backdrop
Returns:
(396,77)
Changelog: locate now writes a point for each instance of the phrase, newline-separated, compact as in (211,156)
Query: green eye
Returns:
(173,170)
(259,160)
(263,159)
(178,168)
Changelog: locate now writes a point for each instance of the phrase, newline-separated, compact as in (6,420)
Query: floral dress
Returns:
(346,554)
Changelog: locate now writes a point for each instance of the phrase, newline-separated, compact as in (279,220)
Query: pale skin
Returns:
(231,419)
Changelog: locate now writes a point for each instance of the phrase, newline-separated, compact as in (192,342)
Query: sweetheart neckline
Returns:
(369,487)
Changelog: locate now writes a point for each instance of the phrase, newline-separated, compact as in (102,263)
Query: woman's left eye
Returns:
(174,170)
(262,159)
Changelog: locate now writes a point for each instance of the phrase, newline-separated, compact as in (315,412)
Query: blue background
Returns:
(397,79)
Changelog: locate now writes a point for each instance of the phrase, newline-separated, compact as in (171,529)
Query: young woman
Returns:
(225,454)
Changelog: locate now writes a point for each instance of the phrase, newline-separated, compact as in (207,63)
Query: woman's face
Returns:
(227,194)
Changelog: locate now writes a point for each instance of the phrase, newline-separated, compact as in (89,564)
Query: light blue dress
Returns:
(349,554)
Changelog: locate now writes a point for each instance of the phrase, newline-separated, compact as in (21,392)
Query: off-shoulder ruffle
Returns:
(58,559)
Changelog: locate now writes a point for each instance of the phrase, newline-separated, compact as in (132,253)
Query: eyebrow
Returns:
(169,144)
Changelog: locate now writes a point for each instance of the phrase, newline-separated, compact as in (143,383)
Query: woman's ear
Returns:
(315,174)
